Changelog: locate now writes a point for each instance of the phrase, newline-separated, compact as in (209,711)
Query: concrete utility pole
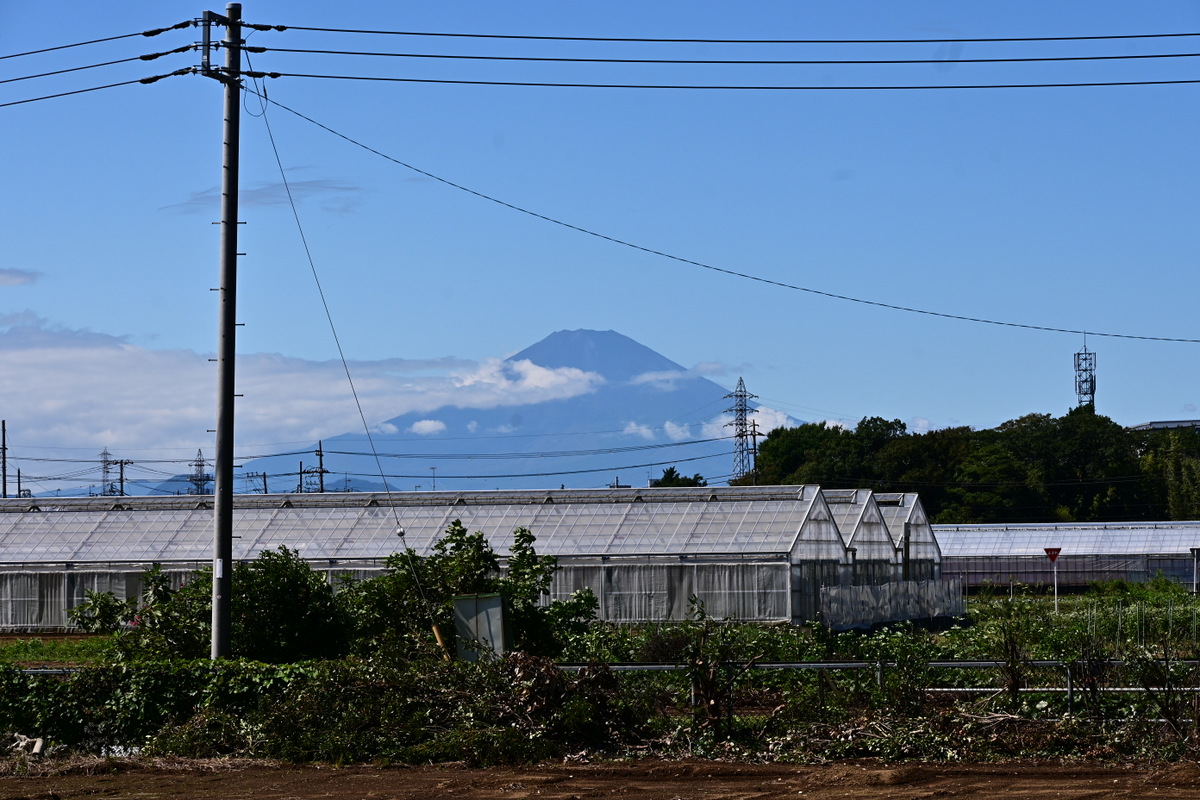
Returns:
(230,76)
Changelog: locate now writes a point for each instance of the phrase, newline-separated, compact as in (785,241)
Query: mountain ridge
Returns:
(629,413)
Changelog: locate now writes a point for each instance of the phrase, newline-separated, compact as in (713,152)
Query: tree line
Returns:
(1080,467)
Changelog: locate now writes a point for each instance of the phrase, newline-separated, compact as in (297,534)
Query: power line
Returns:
(726,87)
(142,462)
(152,79)
(152,32)
(539,455)
(544,474)
(727,62)
(722,270)
(147,57)
(736,41)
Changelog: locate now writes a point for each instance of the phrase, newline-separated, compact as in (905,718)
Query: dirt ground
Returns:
(638,780)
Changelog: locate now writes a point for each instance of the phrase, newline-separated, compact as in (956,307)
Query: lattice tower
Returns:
(1085,377)
(742,435)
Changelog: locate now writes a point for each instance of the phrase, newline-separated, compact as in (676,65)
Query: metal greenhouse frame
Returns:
(748,553)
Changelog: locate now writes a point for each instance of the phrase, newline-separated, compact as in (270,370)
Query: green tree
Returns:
(925,463)
(1092,469)
(991,485)
(671,477)
(1170,462)
(397,611)
(815,452)
(281,611)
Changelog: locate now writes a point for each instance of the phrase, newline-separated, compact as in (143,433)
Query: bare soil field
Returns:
(632,780)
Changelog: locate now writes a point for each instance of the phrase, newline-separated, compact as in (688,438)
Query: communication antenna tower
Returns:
(742,434)
(1085,376)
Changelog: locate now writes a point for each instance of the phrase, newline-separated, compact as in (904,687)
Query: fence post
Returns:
(1070,688)
(729,678)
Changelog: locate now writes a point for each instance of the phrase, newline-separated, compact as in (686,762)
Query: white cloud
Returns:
(769,419)
(766,419)
(677,433)
(919,425)
(715,427)
(634,429)
(84,391)
(427,427)
(666,381)
(385,428)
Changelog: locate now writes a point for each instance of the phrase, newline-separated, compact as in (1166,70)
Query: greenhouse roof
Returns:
(705,521)
(1078,538)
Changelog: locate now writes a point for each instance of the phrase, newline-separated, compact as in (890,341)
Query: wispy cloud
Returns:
(666,381)
(335,196)
(79,389)
(669,380)
(18,277)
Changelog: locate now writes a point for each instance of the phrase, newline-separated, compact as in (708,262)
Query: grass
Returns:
(72,650)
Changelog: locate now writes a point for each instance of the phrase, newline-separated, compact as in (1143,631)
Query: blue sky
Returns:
(1067,208)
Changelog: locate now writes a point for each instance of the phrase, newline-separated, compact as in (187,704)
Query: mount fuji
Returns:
(615,413)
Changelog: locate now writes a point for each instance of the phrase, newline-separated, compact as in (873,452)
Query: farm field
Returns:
(639,780)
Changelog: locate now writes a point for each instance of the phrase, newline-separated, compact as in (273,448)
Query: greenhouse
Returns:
(919,554)
(750,553)
(865,533)
(983,555)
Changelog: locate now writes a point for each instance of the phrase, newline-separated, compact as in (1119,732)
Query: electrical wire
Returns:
(67,46)
(1109,37)
(728,62)
(408,553)
(152,79)
(147,57)
(546,474)
(152,32)
(730,87)
(539,455)
(375,454)
(711,267)
(321,292)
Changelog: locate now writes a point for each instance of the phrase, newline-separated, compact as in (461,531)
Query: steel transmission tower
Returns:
(1085,377)
(743,436)
(199,479)
(107,487)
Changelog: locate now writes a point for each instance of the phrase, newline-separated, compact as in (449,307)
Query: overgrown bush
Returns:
(395,613)
(281,611)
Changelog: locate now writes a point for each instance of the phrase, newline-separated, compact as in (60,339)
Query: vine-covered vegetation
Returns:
(358,675)
(1038,468)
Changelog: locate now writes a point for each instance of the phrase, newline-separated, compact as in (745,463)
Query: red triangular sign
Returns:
(1053,552)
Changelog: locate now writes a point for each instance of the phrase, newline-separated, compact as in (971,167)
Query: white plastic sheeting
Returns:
(750,553)
(645,592)
(702,521)
(904,514)
(1101,551)
(864,606)
(34,600)
(865,534)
